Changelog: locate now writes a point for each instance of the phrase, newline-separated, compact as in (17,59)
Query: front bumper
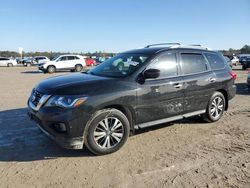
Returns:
(74,121)
(41,68)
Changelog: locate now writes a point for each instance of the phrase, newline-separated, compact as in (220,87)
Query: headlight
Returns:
(66,101)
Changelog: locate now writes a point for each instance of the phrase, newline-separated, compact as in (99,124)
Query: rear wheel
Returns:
(51,69)
(78,68)
(9,65)
(28,64)
(215,107)
(106,132)
(244,67)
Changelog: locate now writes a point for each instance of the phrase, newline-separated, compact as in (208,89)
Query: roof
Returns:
(154,50)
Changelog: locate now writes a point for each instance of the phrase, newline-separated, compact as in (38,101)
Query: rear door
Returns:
(71,61)
(198,81)
(161,98)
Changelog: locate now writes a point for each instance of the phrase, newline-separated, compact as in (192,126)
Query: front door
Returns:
(62,62)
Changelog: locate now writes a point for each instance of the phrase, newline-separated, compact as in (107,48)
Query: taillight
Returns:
(233,75)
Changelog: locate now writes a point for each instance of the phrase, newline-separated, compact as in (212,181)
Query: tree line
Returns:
(52,54)
(244,50)
(230,52)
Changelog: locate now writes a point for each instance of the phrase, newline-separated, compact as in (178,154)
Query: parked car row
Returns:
(67,62)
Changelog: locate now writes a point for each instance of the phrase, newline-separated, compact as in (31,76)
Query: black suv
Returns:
(135,89)
(245,63)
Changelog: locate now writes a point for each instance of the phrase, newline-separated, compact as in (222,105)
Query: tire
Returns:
(78,68)
(51,69)
(9,65)
(101,133)
(215,107)
(28,64)
(244,67)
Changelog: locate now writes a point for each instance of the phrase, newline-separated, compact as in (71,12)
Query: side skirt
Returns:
(165,120)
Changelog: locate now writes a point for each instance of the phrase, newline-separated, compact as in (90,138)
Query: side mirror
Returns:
(151,73)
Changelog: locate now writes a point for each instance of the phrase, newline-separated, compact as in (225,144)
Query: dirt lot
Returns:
(186,153)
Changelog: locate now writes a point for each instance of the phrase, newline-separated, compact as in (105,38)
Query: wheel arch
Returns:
(127,112)
(225,94)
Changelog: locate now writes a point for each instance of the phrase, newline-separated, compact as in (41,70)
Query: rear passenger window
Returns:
(193,63)
(166,63)
(71,57)
(76,57)
(215,61)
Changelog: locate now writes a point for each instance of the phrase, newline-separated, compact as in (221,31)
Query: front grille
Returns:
(35,97)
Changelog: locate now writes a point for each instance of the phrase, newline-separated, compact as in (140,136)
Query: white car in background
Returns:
(7,62)
(63,62)
(235,60)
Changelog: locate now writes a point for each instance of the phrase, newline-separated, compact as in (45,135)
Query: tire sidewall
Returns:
(90,128)
(210,117)
(51,69)
(76,68)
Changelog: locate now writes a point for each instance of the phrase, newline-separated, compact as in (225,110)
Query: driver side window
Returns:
(166,63)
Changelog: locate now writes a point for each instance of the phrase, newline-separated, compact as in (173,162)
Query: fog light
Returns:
(60,127)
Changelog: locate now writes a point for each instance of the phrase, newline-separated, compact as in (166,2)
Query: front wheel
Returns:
(106,132)
(215,107)
(9,65)
(51,69)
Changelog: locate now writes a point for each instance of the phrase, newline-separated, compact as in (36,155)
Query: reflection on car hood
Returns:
(73,84)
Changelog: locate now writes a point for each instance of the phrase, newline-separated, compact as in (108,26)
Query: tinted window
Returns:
(166,63)
(77,57)
(216,61)
(4,59)
(71,57)
(193,63)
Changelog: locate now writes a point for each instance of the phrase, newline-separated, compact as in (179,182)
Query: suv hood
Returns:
(74,84)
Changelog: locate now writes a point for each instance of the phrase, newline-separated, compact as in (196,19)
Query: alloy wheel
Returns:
(217,107)
(108,133)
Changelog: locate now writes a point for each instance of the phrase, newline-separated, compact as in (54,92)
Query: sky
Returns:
(118,25)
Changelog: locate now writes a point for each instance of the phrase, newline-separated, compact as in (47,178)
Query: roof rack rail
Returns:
(193,46)
(162,44)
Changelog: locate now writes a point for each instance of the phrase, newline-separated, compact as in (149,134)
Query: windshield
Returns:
(121,65)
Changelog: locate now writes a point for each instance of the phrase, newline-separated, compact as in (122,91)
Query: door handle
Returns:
(177,85)
(212,80)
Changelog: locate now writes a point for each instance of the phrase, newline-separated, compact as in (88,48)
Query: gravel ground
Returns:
(187,153)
